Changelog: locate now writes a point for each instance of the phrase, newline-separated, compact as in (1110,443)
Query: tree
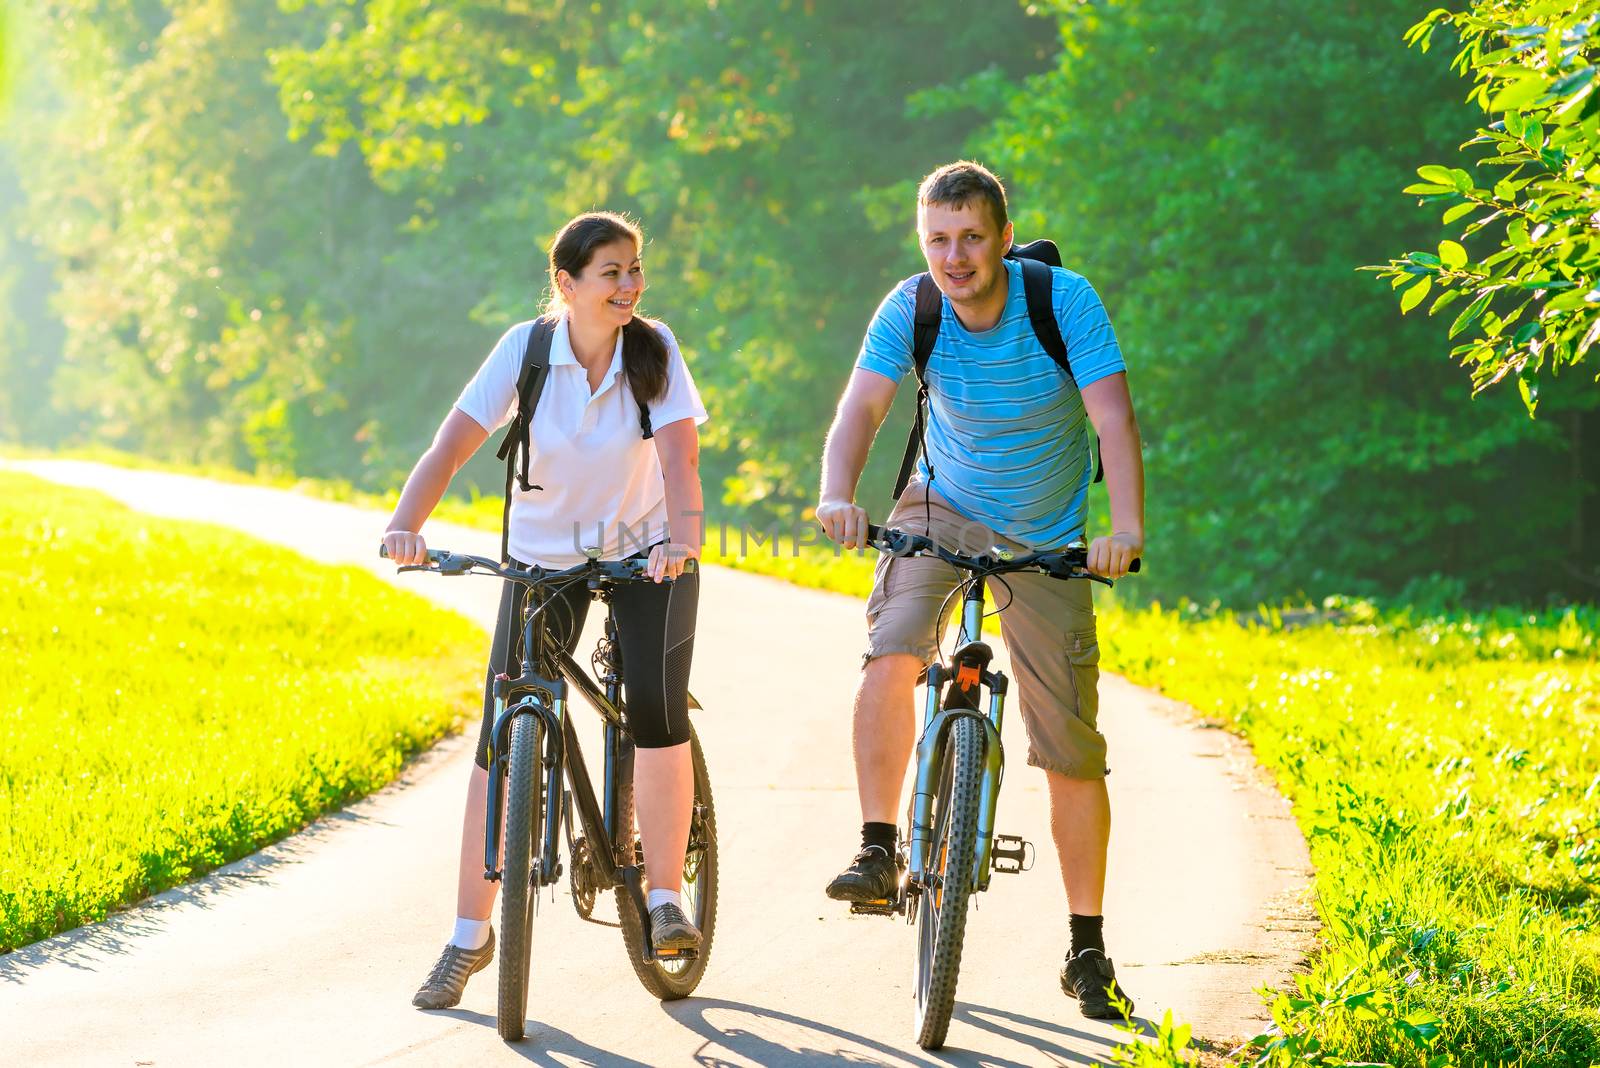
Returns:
(1527,253)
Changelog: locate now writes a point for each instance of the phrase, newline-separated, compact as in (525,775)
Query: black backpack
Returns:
(1036,258)
(530,387)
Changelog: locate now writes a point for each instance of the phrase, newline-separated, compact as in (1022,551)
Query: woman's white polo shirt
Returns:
(601,479)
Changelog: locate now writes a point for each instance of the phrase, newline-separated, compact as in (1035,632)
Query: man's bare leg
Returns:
(1080,823)
(885,732)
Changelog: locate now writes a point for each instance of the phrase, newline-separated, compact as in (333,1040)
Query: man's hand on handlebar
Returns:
(1114,555)
(843,521)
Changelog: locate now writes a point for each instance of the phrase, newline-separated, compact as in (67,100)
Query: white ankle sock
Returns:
(661,897)
(470,934)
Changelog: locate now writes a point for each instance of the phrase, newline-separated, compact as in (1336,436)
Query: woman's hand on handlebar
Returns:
(668,560)
(1113,555)
(405,548)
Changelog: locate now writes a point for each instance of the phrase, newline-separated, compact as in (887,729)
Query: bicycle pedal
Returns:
(676,954)
(1011,854)
(883,907)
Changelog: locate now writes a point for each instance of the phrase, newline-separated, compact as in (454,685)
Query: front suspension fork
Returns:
(938,718)
(554,716)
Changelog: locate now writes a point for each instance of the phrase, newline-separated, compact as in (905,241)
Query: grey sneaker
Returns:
(448,979)
(670,928)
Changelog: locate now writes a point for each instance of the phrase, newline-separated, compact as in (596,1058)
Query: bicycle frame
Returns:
(968,674)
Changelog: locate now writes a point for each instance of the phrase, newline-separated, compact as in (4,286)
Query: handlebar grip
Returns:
(1133,568)
(434,555)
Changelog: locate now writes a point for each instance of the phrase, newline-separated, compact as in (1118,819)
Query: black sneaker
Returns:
(448,979)
(1089,977)
(873,877)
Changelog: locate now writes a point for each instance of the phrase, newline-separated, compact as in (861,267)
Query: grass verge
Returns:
(1446,773)
(173,696)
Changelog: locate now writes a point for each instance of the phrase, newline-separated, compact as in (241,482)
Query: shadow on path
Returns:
(773,1037)
(1007,1024)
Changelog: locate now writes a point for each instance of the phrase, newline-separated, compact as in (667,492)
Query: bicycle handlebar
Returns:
(1070,563)
(451,563)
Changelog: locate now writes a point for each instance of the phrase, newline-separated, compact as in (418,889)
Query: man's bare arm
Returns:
(866,401)
(1110,409)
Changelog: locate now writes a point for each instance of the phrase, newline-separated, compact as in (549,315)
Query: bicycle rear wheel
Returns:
(673,979)
(942,913)
(521,843)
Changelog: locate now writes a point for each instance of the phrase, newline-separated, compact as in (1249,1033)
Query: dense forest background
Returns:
(280,235)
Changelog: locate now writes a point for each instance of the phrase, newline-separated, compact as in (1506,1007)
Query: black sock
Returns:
(881,835)
(1087,933)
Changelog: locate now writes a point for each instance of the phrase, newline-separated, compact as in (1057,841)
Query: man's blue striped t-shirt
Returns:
(1007,434)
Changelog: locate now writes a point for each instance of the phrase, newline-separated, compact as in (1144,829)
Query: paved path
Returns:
(307,953)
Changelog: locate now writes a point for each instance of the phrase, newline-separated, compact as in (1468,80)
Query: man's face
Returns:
(964,249)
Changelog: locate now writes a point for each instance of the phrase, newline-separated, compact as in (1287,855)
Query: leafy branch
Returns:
(1530,277)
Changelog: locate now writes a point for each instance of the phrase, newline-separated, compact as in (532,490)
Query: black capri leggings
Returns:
(655,625)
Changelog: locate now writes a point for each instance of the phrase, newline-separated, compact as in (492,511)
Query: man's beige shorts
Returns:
(1047,624)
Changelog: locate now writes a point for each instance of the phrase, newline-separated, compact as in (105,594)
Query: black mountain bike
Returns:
(532,742)
(951,848)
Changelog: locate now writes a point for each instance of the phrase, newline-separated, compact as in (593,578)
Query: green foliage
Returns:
(1446,772)
(743,135)
(176,696)
(1169,1050)
(340,205)
(1531,282)
(282,235)
(5,56)
(1218,173)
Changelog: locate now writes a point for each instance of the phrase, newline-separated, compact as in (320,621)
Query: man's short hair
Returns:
(960,183)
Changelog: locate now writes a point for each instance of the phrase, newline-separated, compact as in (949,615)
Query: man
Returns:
(1006,461)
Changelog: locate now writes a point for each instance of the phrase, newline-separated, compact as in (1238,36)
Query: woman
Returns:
(590,472)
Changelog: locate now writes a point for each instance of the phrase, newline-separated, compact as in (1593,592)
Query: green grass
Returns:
(173,696)
(1446,772)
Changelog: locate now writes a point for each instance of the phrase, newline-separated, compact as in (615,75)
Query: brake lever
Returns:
(1078,571)
(413,567)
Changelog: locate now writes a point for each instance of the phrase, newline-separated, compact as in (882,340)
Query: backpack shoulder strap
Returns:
(925,332)
(1037,286)
(530,386)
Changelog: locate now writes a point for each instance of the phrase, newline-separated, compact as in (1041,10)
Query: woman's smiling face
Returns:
(609,288)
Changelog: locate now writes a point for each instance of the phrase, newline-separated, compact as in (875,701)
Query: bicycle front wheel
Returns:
(524,822)
(942,913)
(673,979)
